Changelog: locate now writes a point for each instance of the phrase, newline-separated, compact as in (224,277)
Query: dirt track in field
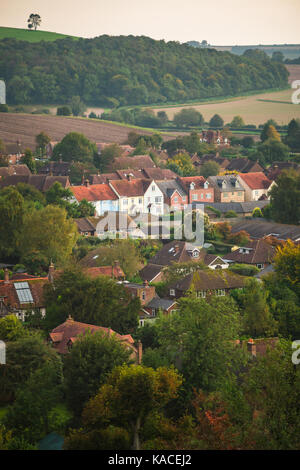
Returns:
(25,127)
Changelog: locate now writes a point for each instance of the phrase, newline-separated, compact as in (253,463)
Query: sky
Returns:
(220,22)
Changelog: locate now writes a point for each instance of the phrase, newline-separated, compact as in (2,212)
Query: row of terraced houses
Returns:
(138,191)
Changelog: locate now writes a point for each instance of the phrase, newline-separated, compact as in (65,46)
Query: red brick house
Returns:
(197,188)
(143,291)
(65,335)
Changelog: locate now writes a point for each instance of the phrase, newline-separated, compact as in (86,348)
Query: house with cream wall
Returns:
(256,185)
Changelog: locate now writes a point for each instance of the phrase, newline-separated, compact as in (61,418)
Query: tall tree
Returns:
(285,198)
(34,21)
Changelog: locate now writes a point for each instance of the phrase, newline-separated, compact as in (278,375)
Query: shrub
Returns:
(244,269)
(257,212)
(64,111)
(230,214)
(3,108)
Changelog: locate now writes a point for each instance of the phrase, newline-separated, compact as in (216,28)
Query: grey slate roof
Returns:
(231,183)
(261,228)
(157,302)
(238,207)
(168,187)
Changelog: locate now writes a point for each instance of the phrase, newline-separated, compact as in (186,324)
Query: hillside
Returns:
(30,36)
(126,70)
(25,127)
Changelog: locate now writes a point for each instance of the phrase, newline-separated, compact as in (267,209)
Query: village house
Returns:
(276,169)
(14,170)
(59,168)
(138,196)
(142,291)
(173,194)
(214,137)
(258,253)
(150,311)
(65,335)
(22,294)
(262,229)
(256,185)
(207,283)
(136,162)
(244,165)
(197,188)
(101,196)
(227,188)
(40,182)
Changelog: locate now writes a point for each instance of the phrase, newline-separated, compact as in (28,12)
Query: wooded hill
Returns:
(128,70)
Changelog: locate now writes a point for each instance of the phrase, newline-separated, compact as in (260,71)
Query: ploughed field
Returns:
(25,127)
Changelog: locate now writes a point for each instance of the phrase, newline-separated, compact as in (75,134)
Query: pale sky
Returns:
(220,22)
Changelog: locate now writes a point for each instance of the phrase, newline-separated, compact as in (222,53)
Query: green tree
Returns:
(100,301)
(49,232)
(29,160)
(108,154)
(237,122)
(129,396)
(11,328)
(75,147)
(42,140)
(265,130)
(272,150)
(216,121)
(278,56)
(188,117)
(181,164)
(209,168)
(77,106)
(34,21)
(293,135)
(285,198)
(64,111)
(11,221)
(91,359)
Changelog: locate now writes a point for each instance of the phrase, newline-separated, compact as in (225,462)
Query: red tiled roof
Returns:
(111,271)
(70,329)
(36,286)
(136,162)
(256,180)
(94,192)
(187,180)
(130,188)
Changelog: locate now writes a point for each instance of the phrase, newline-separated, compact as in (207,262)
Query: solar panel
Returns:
(23,292)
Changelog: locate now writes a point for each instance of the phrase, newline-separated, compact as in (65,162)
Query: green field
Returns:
(31,36)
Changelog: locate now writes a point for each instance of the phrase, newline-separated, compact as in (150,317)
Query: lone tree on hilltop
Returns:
(34,21)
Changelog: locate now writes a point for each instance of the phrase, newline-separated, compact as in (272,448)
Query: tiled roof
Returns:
(259,252)
(261,228)
(132,188)
(149,272)
(40,182)
(94,192)
(187,180)
(230,183)
(84,225)
(243,165)
(159,173)
(157,302)
(104,178)
(14,170)
(256,180)
(70,329)
(56,168)
(173,252)
(136,162)
(36,286)
(170,186)
(210,280)
(115,272)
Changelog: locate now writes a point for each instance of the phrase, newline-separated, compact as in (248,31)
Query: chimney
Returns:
(70,318)
(251,347)
(51,272)
(139,352)
(6,276)
(145,283)
(86,183)
(129,177)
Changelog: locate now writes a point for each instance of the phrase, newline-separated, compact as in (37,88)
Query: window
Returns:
(256,193)
(175,199)
(183,198)
(260,266)
(153,312)
(140,200)
(142,322)
(220,292)
(195,254)
(125,202)
(202,195)
(201,294)
(194,197)
(240,194)
(172,292)
(153,188)
(225,194)
(158,199)
(143,295)
(208,196)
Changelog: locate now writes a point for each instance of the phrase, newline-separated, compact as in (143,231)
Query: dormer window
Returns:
(192,186)
(206,184)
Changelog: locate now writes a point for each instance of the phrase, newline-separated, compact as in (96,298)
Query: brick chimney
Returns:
(51,272)
(251,347)
(139,352)
(6,276)
(145,283)
(86,183)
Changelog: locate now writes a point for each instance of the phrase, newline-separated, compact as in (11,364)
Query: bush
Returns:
(3,108)
(244,269)
(64,111)
(216,211)
(257,212)
(230,214)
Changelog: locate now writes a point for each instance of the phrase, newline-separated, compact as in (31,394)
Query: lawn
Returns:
(30,36)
